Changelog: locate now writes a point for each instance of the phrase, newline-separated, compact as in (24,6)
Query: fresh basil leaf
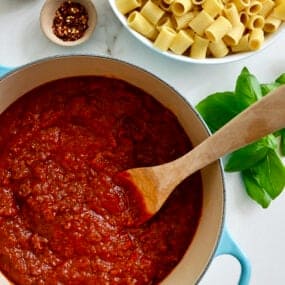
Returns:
(271,174)
(282,141)
(262,170)
(218,108)
(266,88)
(247,88)
(281,79)
(254,189)
(250,155)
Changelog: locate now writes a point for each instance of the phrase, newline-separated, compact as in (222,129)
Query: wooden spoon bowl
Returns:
(151,186)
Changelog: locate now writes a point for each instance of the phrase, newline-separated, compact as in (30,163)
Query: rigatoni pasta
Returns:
(241,4)
(233,37)
(232,14)
(182,22)
(255,22)
(256,39)
(271,24)
(218,29)
(279,11)
(152,12)
(140,24)
(164,38)
(267,7)
(213,7)
(204,28)
(126,6)
(199,47)
(181,7)
(254,7)
(201,22)
(218,49)
(181,42)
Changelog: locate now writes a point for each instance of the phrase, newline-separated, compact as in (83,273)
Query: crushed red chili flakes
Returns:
(70,21)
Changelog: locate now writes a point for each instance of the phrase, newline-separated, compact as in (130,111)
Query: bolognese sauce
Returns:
(63,217)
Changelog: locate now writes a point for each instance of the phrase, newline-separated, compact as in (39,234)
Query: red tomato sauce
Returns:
(62,216)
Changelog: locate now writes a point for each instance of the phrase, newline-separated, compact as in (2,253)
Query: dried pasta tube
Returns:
(255,22)
(232,14)
(218,29)
(182,22)
(126,6)
(271,24)
(267,6)
(201,22)
(244,18)
(199,47)
(254,8)
(164,38)
(168,1)
(218,49)
(140,24)
(241,4)
(279,11)
(165,21)
(213,7)
(233,37)
(181,7)
(243,44)
(164,6)
(256,39)
(152,12)
(182,41)
(198,2)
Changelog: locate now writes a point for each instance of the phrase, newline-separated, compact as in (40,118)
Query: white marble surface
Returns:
(260,233)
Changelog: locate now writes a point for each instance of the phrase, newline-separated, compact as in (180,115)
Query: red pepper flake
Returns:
(70,21)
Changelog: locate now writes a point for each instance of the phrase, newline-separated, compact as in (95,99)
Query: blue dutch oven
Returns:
(212,238)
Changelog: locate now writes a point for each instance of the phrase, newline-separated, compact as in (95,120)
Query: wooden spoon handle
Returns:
(260,119)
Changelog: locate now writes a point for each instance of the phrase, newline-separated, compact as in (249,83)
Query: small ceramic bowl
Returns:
(48,14)
(269,39)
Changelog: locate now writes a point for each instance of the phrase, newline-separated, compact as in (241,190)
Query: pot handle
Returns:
(4,70)
(228,246)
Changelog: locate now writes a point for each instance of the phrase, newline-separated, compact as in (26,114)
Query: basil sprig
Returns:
(260,164)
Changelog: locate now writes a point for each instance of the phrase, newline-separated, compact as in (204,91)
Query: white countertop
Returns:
(260,233)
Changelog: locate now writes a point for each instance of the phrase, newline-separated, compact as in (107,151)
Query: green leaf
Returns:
(271,174)
(281,79)
(247,88)
(266,88)
(282,141)
(250,155)
(218,108)
(262,170)
(266,180)
(254,189)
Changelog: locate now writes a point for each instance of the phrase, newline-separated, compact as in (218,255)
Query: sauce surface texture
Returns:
(63,217)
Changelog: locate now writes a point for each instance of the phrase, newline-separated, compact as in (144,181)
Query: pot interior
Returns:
(200,251)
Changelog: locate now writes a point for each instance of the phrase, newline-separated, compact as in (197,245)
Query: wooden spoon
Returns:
(151,186)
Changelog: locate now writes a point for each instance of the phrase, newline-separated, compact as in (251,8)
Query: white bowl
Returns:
(269,39)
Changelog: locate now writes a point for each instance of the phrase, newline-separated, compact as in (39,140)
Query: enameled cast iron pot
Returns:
(211,238)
